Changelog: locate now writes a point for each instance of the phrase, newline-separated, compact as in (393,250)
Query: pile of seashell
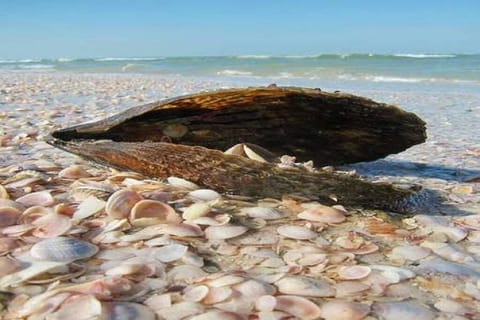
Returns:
(88,243)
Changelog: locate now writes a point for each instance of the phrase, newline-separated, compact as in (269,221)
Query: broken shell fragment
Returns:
(88,208)
(265,213)
(121,202)
(63,249)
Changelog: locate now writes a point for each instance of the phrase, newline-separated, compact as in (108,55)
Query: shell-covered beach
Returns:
(79,240)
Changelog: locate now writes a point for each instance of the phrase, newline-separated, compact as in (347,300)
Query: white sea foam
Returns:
(229,72)
(125,59)
(36,66)
(66,59)
(254,56)
(396,79)
(423,56)
(19,61)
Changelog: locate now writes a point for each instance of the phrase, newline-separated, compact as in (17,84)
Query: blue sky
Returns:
(140,28)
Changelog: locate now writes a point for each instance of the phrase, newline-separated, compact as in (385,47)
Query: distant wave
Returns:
(126,59)
(397,79)
(254,56)
(423,56)
(36,66)
(20,61)
(229,72)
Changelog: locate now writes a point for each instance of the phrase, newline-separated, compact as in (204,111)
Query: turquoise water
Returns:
(396,68)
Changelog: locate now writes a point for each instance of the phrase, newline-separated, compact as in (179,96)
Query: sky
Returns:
(148,28)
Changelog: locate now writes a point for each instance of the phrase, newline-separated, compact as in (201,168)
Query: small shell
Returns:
(411,253)
(85,305)
(170,252)
(254,289)
(263,213)
(40,198)
(217,294)
(63,249)
(353,272)
(181,183)
(296,232)
(74,172)
(224,232)
(4,193)
(8,265)
(196,293)
(298,307)
(402,310)
(323,214)
(184,230)
(266,303)
(175,130)
(196,210)
(8,216)
(350,288)
(204,195)
(52,225)
(88,208)
(303,286)
(121,202)
(149,212)
(218,315)
(344,310)
(128,310)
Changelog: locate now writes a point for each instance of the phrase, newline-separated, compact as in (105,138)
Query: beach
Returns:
(266,259)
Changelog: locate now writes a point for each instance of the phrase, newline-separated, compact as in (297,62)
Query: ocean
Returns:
(373,68)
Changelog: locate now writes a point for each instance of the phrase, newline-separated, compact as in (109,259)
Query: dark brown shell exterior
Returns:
(182,137)
(328,128)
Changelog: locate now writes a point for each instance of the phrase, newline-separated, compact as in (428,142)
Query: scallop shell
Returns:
(51,225)
(8,216)
(40,198)
(74,172)
(296,232)
(323,214)
(266,303)
(63,249)
(148,212)
(344,310)
(170,252)
(196,293)
(88,208)
(303,286)
(121,202)
(298,307)
(353,272)
(224,232)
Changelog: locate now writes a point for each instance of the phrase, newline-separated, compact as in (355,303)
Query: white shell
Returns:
(296,232)
(181,183)
(353,272)
(402,311)
(224,232)
(303,286)
(344,310)
(196,210)
(299,307)
(263,213)
(170,252)
(323,214)
(120,203)
(63,249)
(204,195)
(40,198)
(88,208)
